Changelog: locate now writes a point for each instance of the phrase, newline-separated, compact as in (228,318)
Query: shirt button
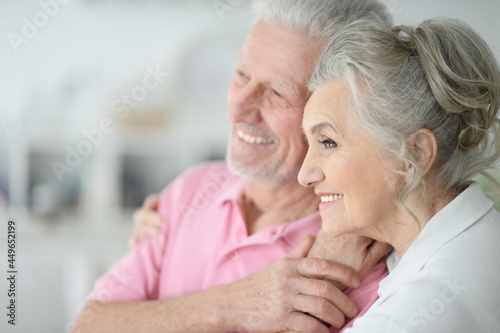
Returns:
(235,255)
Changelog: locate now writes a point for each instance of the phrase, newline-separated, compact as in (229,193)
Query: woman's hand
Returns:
(147,220)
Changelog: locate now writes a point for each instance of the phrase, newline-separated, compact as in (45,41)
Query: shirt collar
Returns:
(465,210)
(233,191)
(293,232)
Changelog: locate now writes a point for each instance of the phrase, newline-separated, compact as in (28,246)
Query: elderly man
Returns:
(218,263)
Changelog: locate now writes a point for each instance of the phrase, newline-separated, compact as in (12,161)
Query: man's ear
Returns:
(424,146)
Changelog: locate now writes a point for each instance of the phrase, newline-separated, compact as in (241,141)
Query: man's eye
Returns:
(277,93)
(328,143)
(240,73)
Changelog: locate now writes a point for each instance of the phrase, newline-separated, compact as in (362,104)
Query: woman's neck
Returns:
(424,208)
(403,227)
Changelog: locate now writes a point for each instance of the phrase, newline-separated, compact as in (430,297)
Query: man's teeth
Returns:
(330,198)
(253,139)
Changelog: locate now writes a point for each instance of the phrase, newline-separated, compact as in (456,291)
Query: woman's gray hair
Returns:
(318,19)
(440,76)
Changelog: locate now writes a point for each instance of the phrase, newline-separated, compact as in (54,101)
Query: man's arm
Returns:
(188,313)
(274,299)
(251,304)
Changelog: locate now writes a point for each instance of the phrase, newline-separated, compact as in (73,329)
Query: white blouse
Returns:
(449,278)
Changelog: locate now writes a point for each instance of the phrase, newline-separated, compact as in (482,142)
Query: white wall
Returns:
(482,15)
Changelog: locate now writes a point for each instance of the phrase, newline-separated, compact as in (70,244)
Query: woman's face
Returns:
(356,183)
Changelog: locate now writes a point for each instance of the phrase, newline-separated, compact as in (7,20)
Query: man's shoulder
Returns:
(212,176)
(209,172)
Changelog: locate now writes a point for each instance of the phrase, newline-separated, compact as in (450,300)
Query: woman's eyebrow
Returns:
(324,124)
(320,126)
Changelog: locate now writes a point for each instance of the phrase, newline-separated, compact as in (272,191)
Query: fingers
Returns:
(146,223)
(302,249)
(348,249)
(301,322)
(147,220)
(132,242)
(320,309)
(324,301)
(378,249)
(374,253)
(357,240)
(324,269)
(151,202)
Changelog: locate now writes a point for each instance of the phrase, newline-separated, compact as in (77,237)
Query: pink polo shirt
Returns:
(203,243)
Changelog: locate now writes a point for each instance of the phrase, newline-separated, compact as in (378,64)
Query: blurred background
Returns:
(106,101)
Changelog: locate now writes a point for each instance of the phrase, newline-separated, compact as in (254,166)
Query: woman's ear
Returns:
(423,144)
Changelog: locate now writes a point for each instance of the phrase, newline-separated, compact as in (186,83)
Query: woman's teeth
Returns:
(332,197)
(253,139)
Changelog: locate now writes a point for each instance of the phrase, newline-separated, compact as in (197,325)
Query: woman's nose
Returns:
(310,173)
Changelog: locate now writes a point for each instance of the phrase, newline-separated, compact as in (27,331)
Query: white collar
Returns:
(465,210)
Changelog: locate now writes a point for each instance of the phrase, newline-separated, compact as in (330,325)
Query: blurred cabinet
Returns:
(51,173)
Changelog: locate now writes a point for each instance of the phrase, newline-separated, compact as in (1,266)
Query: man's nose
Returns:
(248,105)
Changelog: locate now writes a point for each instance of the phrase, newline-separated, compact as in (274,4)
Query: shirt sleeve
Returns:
(136,276)
(133,278)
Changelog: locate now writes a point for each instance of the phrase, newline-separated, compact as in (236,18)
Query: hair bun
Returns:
(475,129)
(461,76)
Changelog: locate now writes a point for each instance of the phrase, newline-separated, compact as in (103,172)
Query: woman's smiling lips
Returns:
(328,199)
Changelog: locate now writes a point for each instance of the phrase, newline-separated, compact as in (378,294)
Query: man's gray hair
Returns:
(318,19)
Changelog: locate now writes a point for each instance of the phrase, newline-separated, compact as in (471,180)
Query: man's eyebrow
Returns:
(276,82)
(282,84)
(241,63)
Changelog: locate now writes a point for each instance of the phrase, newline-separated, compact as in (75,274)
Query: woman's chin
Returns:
(334,229)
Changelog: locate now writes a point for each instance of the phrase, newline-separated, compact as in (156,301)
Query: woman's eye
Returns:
(241,73)
(327,143)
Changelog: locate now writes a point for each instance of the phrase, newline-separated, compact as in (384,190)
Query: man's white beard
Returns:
(267,175)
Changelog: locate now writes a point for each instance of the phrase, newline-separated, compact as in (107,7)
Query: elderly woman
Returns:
(399,123)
